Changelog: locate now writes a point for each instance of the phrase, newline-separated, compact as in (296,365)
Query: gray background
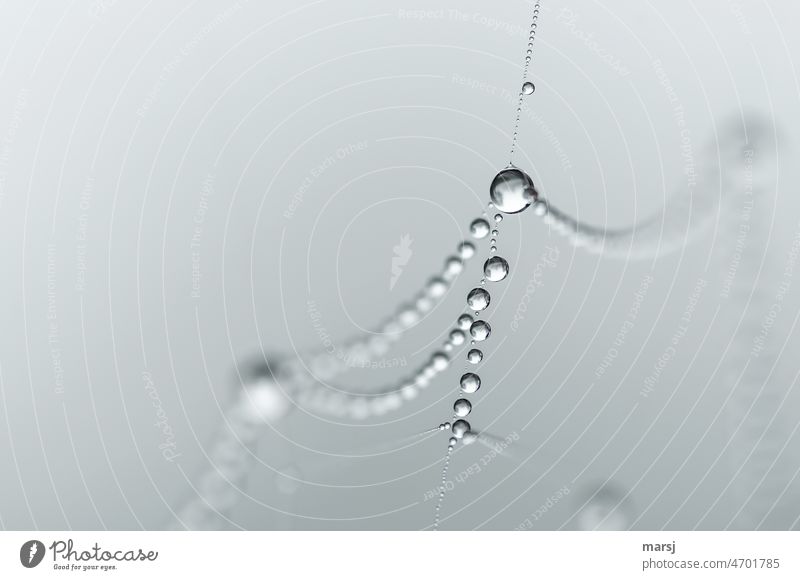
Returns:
(124,124)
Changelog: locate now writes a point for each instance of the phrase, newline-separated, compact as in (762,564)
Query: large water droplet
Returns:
(478,299)
(480,330)
(460,427)
(528,88)
(512,191)
(474,356)
(495,268)
(470,382)
(462,407)
(479,228)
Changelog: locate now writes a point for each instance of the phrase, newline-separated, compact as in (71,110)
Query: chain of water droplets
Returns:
(478,299)
(526,87)
(495,269)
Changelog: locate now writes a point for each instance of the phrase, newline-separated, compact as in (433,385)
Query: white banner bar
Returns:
(388,555)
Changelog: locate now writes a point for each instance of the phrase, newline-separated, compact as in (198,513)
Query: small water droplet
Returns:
(436,288)
(495,268)
(474,356)
(457,337)
(540,208)
(470,382)
(479,228)
(528,88)
(408,317)
(466,250)
(469,438)
(423,304)
(480,330)
(498,217)
(464,321)
(439,361)
(453,267)
(478,299)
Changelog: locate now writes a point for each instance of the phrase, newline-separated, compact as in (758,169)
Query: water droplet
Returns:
(540,207)
(441,426)
(464,321)
(462,407)
(469,438)
(478,299)
(408,317)
(495,232)
(460,427)
(495,268)
(609,508)
(453,267)
(493,249)
(452,441)
(479,228)
(466,250)
(470,382)
(480,330)
(447,424)
(423,304)
(528,88)
(474,356)
(439,361)
(436,288)
(457,337)
(512,191)
(498,217)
